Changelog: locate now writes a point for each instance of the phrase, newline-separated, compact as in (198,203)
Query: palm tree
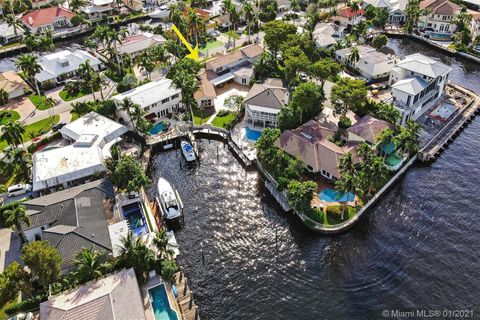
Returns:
(128,106)
(135,253)
(91,264)
(145,63)
(248,14)
(354,57)
(234,19)
(74,5)
(87,73)
(410,137)
(193,24)
(360,29)
(385,138)
(15,217)
(161,244)
(345,185)
(188,85)
(355,5)
(29,65)
(346,164)
(12,133)
(12,21)
(136,114)
(80,108)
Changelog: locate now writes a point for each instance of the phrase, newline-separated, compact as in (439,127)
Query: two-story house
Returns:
(372,64)
(396,9)
(417,83)
(437,24)
(348,17)
(157,98)
(46,19)
(97,9)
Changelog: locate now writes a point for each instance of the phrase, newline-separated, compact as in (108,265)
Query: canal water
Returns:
(417,250)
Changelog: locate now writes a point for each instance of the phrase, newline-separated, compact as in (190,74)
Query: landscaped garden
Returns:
(66,95)
(41,102)
(224,119)
(35,129)
(8,115)
(201,116)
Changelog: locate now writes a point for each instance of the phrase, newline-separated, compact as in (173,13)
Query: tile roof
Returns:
(347,12)
(251,51)
(442,7)
(205,89)
(77,218)
(46,16)
(264,95)
(114,297)
(139,42)
(369,128)
(11,81)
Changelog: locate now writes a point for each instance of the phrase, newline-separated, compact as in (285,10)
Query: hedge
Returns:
(26,305)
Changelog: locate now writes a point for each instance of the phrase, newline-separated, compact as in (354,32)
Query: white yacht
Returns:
(188,151)
(160,13)
(169,200)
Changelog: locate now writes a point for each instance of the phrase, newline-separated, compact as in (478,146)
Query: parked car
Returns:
(18,189)
(58,126)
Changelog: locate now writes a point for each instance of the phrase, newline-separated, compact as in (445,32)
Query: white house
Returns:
(92,136)
(372,63)
(62,65)
(12,84)
(97,9)
(52,18)
(264,102)
(396,9)
(348,17)
(157,98)
(9,34)
(437,24)
(417,83)
(42,3)
(327,34)
(134,44)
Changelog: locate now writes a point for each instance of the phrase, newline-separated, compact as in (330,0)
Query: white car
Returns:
(18,189)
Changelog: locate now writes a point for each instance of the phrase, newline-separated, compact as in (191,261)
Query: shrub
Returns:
(344,122)
(26,305)
(223,113)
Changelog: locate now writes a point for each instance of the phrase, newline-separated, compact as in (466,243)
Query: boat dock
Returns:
(188,309)
(440,141)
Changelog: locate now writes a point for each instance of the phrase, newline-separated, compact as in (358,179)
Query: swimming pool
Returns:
(331,195)
(439,36)
(135,219)
(159,127)
(162,310)
(252,134)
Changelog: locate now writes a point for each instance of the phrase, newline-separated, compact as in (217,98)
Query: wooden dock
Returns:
(440,141)
(188,309)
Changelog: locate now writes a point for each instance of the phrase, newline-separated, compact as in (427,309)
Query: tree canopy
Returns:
(44,262)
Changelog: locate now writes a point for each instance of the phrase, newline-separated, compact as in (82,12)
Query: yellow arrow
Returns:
(193,52)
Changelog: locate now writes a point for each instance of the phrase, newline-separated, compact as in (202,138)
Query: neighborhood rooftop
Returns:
(422,64)
(148,94)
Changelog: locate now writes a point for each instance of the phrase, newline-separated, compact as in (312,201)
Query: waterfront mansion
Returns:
(417,83)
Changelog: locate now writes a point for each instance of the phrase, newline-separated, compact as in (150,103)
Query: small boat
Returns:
(172,244)
(160,13)
(169,201)
(188,151)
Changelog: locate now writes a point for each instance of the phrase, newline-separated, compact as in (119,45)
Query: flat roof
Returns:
(58,165)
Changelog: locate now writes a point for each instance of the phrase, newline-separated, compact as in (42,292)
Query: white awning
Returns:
(222,79)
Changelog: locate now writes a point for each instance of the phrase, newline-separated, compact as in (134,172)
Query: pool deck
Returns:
(147,306)
(316,202)
(188,309)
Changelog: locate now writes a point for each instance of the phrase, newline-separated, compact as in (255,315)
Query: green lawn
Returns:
(8,115)
(333,215)
(210,46)
(39,102)
(224,120)
(43,125)
(200,117)
(66,97)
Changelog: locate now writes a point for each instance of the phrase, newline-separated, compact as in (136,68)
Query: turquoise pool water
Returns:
(159,127)
(160,304)
(393,160)
(252,134)
(331,195)
(439,36)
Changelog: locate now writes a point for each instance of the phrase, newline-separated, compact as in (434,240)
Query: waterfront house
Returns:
(372,65)
(62,65)
(396,9)
(347,17)
(36,4)
(8,33)
(157,98)
(52,18)
(135,44)
(327,34)
(437,24)
(91,138)
(417,83)
(13,84)
(73,219)
(98,9)
(367,130)
(206,94)
(311,144)
(264,102)
(236,65)
(116,296)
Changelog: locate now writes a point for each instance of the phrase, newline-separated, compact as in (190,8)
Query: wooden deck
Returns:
(188,309)
(444,136)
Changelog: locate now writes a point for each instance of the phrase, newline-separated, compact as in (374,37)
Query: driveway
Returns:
(10,246)
(22,105)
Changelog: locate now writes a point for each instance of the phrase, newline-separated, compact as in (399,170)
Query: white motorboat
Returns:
(172,244)
(169,200)
(188,151)
(160,13)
